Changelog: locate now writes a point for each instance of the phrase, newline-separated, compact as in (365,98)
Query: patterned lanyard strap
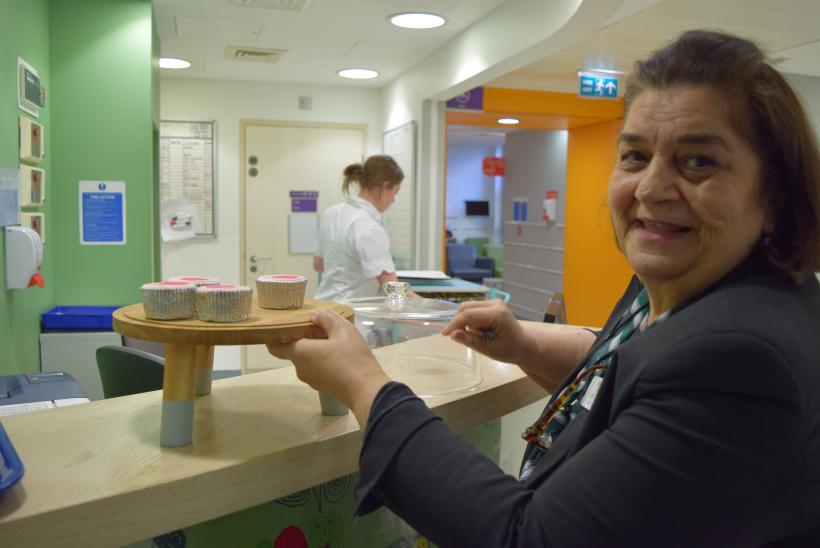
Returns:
(568,403)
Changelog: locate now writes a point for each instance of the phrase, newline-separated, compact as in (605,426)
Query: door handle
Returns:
(255,259)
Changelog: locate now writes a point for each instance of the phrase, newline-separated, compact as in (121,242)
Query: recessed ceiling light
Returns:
(508,121)
(417,20)
(173,63)
(358,73)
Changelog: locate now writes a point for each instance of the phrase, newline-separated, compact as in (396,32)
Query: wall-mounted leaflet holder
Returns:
(32,186)
(24,256)
(30,94)
(32,140)
(35,222)
(550,206)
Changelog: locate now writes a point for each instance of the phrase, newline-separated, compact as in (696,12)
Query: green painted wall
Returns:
(24,33)
(97,61)
(102,121)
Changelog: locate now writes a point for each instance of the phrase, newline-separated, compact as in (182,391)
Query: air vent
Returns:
(259,55)
(288,5)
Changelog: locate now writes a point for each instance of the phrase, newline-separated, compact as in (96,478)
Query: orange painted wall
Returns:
(595,272)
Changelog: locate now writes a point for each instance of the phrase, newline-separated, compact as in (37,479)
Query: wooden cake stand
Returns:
(189,352)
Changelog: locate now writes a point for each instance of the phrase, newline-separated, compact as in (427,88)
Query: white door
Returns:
(279,158)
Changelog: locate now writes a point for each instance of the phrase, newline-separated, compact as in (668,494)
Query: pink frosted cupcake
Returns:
(281,291)
(223,302)
(195,280)
(169,300)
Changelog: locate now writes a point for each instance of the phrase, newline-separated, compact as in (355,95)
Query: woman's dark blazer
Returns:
(705,432)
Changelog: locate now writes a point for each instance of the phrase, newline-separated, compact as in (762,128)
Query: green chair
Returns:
(478,244)
(125,371)
(496,252)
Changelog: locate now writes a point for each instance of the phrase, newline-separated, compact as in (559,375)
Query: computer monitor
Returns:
(477,207)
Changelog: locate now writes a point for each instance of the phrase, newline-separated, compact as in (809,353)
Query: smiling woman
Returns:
(686,195)
(693,417)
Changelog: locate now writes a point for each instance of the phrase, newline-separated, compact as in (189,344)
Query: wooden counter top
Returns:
(95,474)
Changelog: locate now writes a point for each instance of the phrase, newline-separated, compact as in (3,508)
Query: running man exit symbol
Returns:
(594,85)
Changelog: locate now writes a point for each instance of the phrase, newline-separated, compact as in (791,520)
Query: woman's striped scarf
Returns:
(581,392)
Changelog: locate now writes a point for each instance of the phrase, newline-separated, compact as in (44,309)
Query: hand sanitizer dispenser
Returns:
(24,255)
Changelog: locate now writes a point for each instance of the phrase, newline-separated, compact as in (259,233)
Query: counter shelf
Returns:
(95,475)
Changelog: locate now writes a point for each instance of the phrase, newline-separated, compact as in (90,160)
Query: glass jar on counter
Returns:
(407,330)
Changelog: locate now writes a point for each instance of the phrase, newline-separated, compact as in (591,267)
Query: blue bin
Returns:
(78,318)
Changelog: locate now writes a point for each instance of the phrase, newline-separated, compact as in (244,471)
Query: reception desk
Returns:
(95,474)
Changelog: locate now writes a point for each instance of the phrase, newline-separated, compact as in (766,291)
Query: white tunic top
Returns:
(355,249)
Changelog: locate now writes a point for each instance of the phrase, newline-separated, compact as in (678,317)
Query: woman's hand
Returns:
(490,328)
(341,365)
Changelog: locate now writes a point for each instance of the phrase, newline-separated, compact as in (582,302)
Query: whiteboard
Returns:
(187,167)
(399,219)
(303,232)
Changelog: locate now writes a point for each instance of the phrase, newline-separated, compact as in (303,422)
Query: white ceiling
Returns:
(321,38)
(787,29)
(327,35)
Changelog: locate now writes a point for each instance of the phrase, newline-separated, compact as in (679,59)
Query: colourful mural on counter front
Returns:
(318,517)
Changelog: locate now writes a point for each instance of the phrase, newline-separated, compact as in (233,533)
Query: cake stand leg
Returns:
(204,368)
(178,383)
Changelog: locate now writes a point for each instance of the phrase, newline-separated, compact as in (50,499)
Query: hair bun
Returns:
(354,170)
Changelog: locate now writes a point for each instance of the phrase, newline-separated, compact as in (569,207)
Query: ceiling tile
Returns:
(219,29)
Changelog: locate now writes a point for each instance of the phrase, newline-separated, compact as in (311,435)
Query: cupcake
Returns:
(169,300)
(195,280)
(223,302)
(281,291)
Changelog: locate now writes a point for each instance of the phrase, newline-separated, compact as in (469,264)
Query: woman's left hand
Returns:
(341,365)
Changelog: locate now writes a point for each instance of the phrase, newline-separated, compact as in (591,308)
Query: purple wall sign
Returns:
(469,100)
(304,201)
(303,204)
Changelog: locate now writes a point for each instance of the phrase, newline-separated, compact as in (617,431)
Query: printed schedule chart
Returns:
(186,167)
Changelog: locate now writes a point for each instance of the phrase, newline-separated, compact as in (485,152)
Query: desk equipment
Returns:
(37,391)
(453,289)
(11,467)
(414,321)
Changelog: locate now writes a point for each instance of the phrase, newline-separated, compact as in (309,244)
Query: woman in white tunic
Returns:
(353,253)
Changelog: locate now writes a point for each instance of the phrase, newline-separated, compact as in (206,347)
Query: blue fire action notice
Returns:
(102,212)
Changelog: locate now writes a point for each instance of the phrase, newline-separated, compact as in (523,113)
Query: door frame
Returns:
(243,125)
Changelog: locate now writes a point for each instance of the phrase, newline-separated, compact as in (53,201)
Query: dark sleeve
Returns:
(705,448)
(416,466)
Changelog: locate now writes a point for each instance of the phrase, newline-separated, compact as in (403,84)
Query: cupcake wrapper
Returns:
(169,304)
(281,295)
(228,306)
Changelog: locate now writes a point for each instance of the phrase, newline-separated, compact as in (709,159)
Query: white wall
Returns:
(466,181)
(227,103)
(808,88)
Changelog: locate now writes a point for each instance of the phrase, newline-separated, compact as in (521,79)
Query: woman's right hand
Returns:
(490,328)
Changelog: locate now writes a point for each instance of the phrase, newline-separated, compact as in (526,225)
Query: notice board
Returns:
(399,219)
(187,153)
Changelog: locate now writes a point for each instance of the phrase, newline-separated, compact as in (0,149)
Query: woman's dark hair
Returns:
(766,111)
(376,171)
